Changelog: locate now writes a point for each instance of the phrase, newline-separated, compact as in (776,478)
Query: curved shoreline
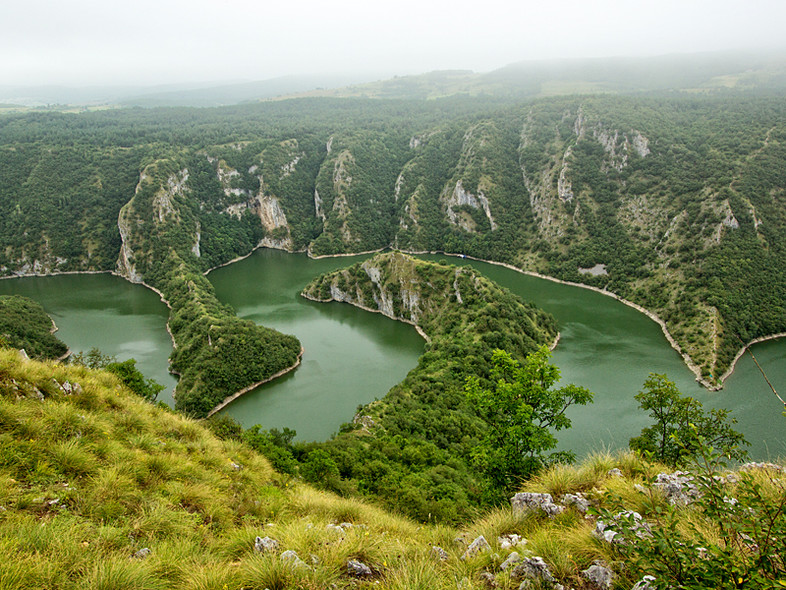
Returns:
(230,398)
(692,366)
(418,329)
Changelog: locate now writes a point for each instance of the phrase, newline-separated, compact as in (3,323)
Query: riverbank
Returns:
(229,399)
(418,329)
(695,369)
(688,361)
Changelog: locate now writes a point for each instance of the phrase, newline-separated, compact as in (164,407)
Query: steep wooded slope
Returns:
(413,449)
(674,203)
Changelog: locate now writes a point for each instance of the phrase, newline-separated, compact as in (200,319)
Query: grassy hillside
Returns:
(92,477)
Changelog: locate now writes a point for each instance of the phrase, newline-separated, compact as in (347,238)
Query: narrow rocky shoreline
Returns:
(229,399)
(695,369)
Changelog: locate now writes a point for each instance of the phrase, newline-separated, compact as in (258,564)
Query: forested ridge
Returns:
(673,202)
(413,449)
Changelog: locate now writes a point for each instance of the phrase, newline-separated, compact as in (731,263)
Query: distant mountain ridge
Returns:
(699,72)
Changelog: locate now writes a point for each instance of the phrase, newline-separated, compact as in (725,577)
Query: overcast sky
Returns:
(80,42)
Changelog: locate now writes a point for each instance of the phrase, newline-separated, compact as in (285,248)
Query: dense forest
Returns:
(413,449)
(674,202)
(24,325)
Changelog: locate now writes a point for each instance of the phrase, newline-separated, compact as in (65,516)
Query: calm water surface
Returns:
(105,312)
(353,357)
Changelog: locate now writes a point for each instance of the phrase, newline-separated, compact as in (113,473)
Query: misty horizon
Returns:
(80,43)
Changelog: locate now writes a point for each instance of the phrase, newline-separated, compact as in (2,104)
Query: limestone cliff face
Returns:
(271,167)
(333,197)
(442,301)
(463,198)
(474,182)
(155,214)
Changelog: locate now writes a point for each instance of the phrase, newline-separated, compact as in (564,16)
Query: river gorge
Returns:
(353,357)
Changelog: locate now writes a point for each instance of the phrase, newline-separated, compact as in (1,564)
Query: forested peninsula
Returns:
(672,202)
(413,448)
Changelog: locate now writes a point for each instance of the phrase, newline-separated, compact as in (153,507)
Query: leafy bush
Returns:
(681,423)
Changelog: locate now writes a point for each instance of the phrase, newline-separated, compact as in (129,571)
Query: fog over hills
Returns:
(713,71)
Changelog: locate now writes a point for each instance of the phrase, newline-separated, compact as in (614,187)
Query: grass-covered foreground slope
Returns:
(413,448)
(25,325)
(100,489)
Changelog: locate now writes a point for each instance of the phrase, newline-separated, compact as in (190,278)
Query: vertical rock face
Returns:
(318,206)
(159,203)
(270,212)
(460,197)
(564,186)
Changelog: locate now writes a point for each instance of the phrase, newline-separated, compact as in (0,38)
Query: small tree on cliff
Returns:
(522,411)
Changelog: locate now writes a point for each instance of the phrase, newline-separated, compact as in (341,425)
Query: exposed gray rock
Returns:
(599,576)
(477,546)
(754,465)
(488,579)
(334,528)
(577,500)
(512,560)
(677,487)
(71,388)
(645,583)
(23,354)
(439,553)
(535,502)
(533,568)
(512,540)
(292,558)
(358,569)
(142,553)
(236,466)
(265,545)
(613,532)
(614,472)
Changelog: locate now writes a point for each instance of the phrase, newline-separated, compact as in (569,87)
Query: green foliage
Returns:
(680,197)
(682,425)
(274,444)
(25,325)
(732,536)
(521,410)
(413,449)
(93,359)
(147,389)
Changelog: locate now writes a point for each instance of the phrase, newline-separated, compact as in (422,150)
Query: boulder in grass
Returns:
(358,569)
(265,545)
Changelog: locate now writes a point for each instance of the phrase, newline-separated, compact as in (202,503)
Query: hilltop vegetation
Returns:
(100,489)
(25,325)
(673,202)
(414,448)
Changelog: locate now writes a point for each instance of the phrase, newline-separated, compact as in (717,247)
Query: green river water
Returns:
(353,357)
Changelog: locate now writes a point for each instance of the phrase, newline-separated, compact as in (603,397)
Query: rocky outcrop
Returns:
(463,198)
(564,186)
(527,501)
